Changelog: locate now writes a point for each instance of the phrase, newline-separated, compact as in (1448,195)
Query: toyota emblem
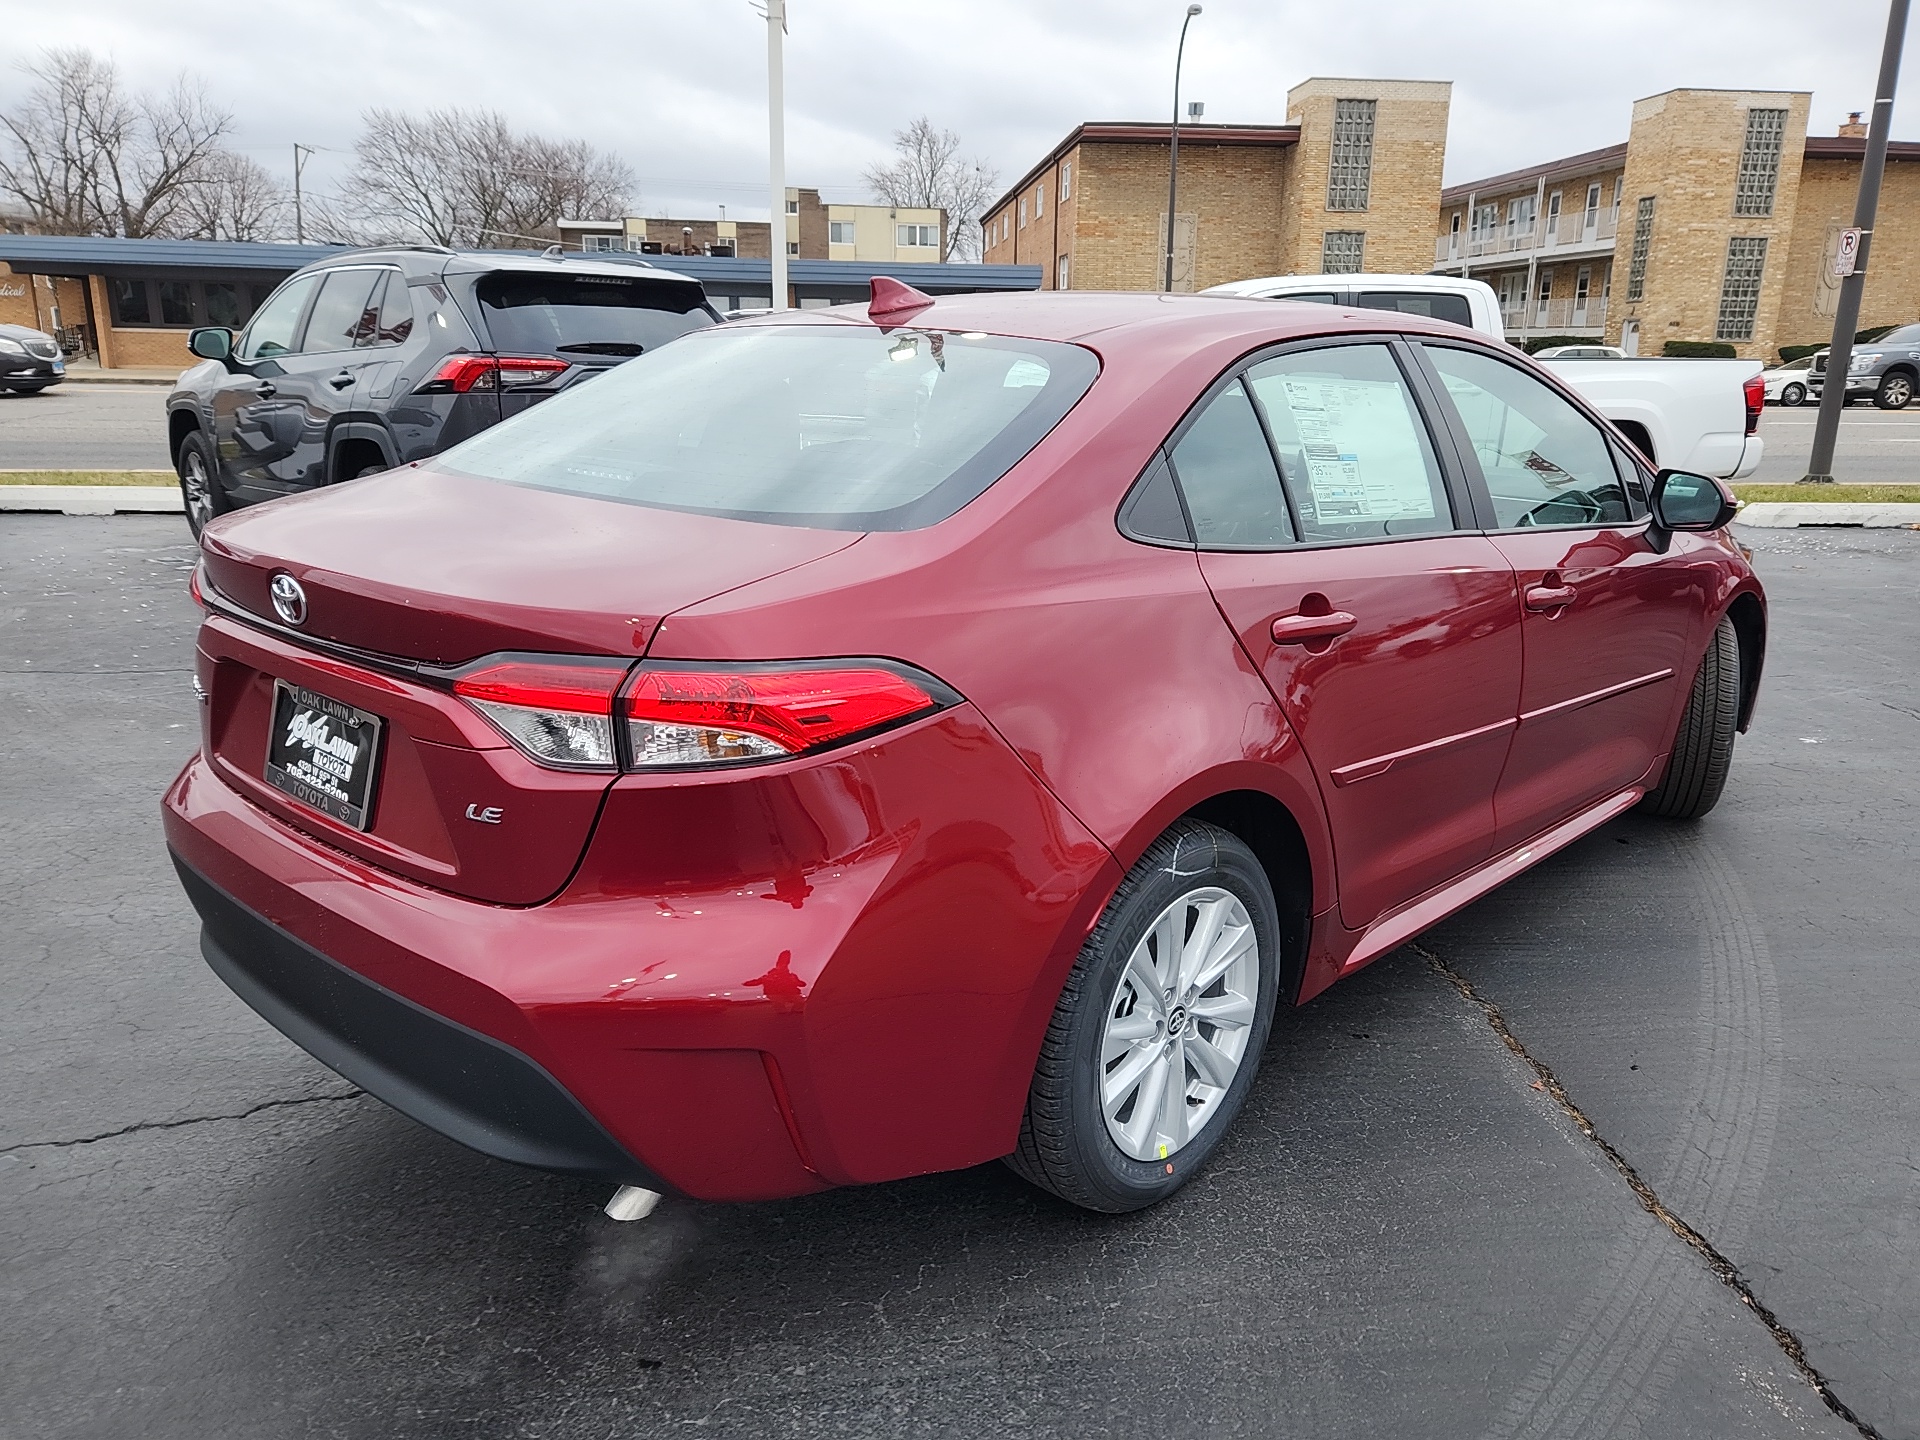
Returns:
(289,599)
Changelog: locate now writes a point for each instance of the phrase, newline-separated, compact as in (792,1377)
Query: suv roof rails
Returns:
(403,245)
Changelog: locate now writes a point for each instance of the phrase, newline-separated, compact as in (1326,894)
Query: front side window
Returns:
(1227,476)
(1545,463)
(1350,176)
(1354,453)
(272,330)
(1740,288)
(1343,252)
(341,316)
(831,426)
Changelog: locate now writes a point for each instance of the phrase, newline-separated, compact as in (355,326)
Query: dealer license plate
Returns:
(323,753)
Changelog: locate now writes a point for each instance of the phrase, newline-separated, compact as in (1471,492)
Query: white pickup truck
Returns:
(1697,415)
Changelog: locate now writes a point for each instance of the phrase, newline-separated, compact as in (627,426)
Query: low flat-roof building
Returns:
(816,230)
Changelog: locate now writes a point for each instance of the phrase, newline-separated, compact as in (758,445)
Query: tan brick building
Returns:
(1717,219)
(815,230)
(1348,183)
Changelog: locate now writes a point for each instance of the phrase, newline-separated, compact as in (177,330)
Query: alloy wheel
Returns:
(1897,392)
(1177,1027)
(197,486)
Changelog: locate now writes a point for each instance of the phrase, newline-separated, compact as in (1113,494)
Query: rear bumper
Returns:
(468,1086)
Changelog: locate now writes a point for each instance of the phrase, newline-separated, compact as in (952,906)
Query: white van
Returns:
(1697,415)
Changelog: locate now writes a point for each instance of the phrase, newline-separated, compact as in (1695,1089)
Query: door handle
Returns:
(265,390)
(342,380)
(1299,629)
(1549,597)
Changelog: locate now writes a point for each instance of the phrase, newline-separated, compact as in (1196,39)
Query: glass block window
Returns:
(1642,241)
(1759,162)
(1343,252)
(1351,175)
(1740,291)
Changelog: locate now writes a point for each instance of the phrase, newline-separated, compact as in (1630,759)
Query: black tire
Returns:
(1793,395)
(1703,750)
(200,488)
(1895,392)
(1065,1145)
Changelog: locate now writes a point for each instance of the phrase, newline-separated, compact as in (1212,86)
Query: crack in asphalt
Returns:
(1723,1269)
(178,1124)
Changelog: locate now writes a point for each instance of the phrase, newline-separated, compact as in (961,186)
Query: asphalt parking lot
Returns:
(1598,1157)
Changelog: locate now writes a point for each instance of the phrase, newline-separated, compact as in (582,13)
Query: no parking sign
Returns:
(1848,254)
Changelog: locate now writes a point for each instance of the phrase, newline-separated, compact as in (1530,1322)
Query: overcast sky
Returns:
(679,90)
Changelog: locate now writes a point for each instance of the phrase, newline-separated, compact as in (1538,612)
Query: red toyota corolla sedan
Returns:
(865,742)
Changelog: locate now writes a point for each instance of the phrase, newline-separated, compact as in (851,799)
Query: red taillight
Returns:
(193,586)
(559,712)
(461,373)
(1756,389)
(704,715)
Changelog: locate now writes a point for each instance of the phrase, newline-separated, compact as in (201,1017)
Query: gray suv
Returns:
(372,358)
(1886,370)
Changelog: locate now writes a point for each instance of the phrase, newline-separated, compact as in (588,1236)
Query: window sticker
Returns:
(1363,457)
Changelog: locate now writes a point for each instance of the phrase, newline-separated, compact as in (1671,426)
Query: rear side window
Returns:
(1355,453)
(1432,304)
(839,427)
(392,310)
(562,314)
(1545,463)
(1226,473)
(342,314)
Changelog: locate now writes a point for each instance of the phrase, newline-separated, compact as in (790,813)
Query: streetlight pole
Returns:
(777,149)
(1846,319)
(1173,148)
(299,219)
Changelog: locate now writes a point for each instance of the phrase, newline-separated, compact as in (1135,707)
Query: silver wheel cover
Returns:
(1178,1024)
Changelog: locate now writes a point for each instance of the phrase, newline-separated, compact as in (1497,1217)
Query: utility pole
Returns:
(777,149)
(1173,148)
(1846,320)
(299,218)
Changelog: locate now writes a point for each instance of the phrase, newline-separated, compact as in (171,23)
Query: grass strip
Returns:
(1832,494)
(88,477)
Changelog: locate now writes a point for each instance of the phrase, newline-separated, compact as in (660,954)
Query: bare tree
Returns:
(234,199)
(87,158)
(928,171)
(464,177)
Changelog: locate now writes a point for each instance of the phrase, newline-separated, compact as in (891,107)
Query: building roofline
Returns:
(1147,132)
(1854,147)
(1570,165)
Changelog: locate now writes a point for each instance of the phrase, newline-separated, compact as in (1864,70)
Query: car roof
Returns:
(439,260)
(1078,315)
(1448,284)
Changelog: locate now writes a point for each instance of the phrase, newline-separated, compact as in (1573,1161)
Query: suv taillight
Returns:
(460,373)
(674,715)
(1756,390)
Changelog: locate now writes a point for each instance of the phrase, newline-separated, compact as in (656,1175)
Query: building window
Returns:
(1759,162)
(1486,220)
(1543,305)
(599,242)
(182,304)
(1582,291)
(1060,273)
(1740,291)
(130,302)
(1619,189)
(925,237)
(1039,201)
(793,207)
(1350,177)
(840,232)
(1343,252)
(1520,214)
(1593,205)
(1023,212)
(793,247)
(1066,180)
(1553,216)
(1642,241)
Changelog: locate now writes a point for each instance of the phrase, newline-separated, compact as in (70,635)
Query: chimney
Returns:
(1854,129)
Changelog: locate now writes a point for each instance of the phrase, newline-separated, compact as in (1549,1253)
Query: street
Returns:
(1875,446)
(85,427)
(1409,1233)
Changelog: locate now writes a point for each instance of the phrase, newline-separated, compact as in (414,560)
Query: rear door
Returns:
(1612,624)
(322,379)
(1388,634)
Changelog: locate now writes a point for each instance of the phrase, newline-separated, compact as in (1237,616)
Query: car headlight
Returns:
(11,347)
(1863,362)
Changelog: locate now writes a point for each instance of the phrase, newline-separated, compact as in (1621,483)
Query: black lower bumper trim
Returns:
(466,1085)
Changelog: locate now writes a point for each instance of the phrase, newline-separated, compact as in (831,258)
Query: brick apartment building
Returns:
(815,230)
(1717,219)
(1348,183)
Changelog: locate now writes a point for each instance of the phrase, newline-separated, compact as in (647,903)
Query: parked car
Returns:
(374,358)
(30,360)
(845,745)
(1787,383)
(1698,415)
(1884,371)
(1580,352)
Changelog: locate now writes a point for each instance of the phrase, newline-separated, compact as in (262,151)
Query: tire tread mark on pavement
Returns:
(145,1125)
(1722,1268)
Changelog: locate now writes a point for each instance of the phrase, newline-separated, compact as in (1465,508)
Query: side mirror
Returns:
(211,343)
(1682,500)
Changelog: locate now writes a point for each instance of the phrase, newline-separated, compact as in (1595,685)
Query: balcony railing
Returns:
(1556,317)
(1574,230)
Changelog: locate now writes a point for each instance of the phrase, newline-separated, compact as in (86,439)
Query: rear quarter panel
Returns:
(1694,411)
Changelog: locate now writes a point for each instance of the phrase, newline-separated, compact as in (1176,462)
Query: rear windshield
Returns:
(561,314)
(1434,304)
(830,426)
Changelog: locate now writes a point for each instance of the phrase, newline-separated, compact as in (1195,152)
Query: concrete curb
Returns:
(1789,515)
(101,499)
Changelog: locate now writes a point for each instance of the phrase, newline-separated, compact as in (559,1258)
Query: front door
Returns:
(254,429)
(1389,637)
(1611,624)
